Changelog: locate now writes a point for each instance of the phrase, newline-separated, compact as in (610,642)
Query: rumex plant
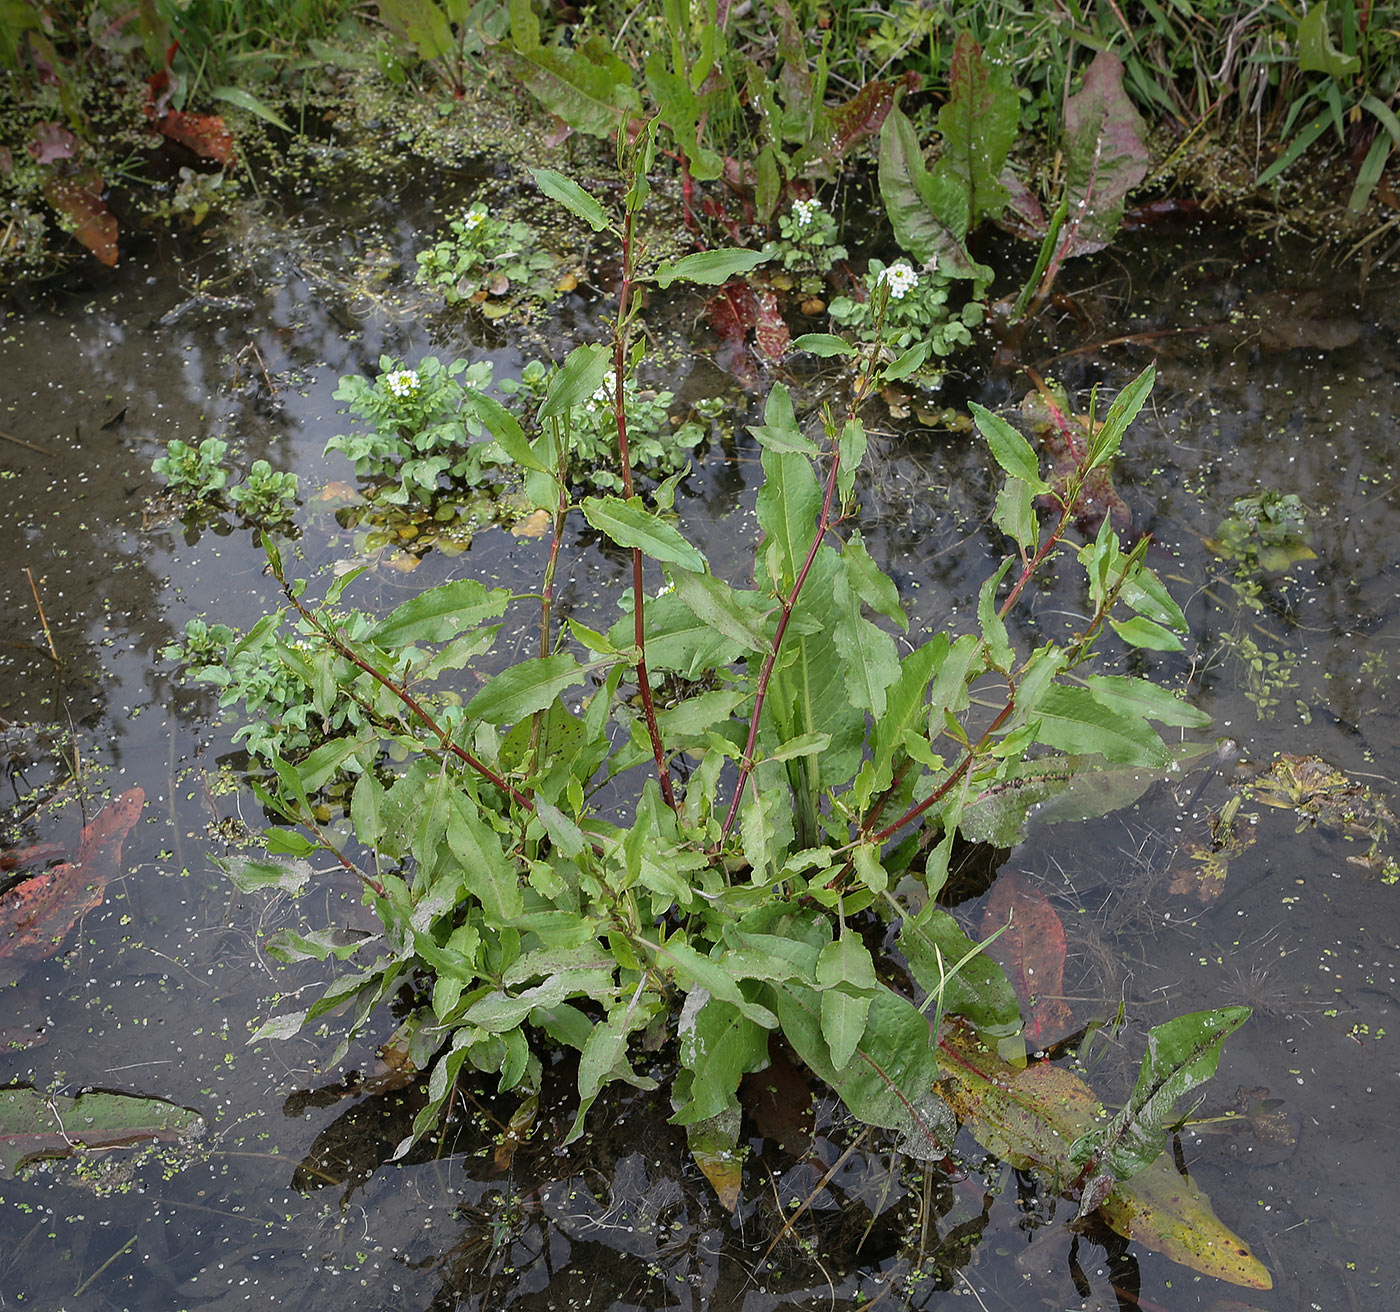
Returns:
(750,893)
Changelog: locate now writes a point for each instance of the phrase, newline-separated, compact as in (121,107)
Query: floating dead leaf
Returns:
(535,525)
(1290,321)
(37,914)
(516,1132)
(403,562)
(1032,951)
(36,1126)
(1231,834)
(205,134)
(338,493)
(813,306)
(78,198)
(770,328)
(568,283)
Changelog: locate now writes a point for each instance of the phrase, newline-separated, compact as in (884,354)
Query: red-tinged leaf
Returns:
(732,312)
(770,328)
(714,1144)
(78,197)
(1032,952)
(17,858)
(1064,437)
(205,134)
(860,117)
(35,1126)
(36,914)
(52,142)
(778,1100)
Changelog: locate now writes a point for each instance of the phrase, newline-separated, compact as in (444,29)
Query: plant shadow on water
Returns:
(291,1194)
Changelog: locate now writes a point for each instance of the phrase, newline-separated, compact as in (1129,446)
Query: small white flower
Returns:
(473,218)
(403,383)
(604,394)
(899,278)
(802,211)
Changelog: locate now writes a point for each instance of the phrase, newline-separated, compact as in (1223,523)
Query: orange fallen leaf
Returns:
(78,197)
(535,525)
(1032,951)
(37,914)
(205,134)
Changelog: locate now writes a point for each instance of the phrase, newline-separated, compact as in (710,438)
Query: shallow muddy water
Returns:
(288,1196)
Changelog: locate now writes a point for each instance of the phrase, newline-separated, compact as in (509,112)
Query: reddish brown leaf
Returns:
(732,311)
(770,328)
(52,142)
(36,915)
(860,117)
(78,197)
(205,134)
(17,858)
(1032,952)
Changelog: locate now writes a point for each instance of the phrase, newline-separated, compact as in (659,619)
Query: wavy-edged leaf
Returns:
(441,613)
(524,689)
(630,524)
(1074,720)
(709,268)
(572,197)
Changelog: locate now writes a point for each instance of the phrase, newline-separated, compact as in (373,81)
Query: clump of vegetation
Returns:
(915,310)
(758,891)
(194,475)
(267,496)
(494,264)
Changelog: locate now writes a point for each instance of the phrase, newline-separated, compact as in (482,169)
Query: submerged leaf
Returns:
(1032,950)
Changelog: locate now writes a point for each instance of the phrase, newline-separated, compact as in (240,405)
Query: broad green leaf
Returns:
(1009,449)
(581,374)
(572,197)
(712,977)
(806,744)
(779,430)
(868,657)
(505,428)
(1182,1054)
(847,961)
(1074,720)
(587,86)
(1107,441)
(869,582)
(1139,697)
(978,124)
(524,689)
(1145,633)
(1316,53)
(684,114)
(928,212)
(999,650)
(844,1018)
(787,508)
(289,876)
(440,613)
(630,524)
(1029,1115)
(710,268)
(719,1045)
(422,24)
(956,667)
(907,362)
(1015,514)
(677,639)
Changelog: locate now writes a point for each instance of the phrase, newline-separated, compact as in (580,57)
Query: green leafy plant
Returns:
(422,426)
(267,496)
(493,263)
(904,308)
(194,475)
(752,890)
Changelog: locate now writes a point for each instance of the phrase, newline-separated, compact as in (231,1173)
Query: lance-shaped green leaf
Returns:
(779,430)
(1107,441)
(928,212)
(710,268)
(581,375)
(505,428)
(954,969)
(630,524)
(572,197)
(440,613)
(719,1045)
(711,976)
(715,603)
(824,345)
(524,689)
(1139,697)
(1009,449)
(486,871)
(1074,720)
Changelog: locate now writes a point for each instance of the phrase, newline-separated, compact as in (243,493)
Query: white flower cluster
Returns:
(403,383)
(899,278)
(802,211)
(604,394)
(473,218)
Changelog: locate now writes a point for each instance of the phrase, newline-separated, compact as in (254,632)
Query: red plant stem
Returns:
(408,699)
(789,604)
(624,299)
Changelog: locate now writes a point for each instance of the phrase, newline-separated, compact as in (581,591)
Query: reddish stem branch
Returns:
(624,300)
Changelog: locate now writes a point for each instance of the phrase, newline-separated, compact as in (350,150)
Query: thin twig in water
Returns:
(31,446)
